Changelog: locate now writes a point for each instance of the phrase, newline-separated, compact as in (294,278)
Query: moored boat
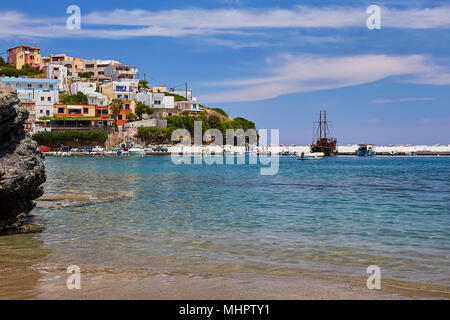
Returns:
(324,143)
(365,150)
(310,156)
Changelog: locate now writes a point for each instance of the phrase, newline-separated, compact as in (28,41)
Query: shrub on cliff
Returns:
(70,138)
(154,135)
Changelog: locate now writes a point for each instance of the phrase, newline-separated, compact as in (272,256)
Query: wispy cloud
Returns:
(121,23)
(402,100)
(305,73)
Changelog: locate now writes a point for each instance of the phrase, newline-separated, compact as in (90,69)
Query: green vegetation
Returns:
(143,84)
(70,138)
(116,106)
(10,71)
(219,111)
(86,75)
(131,117)
(154,135)
(79,98)
(177,97)
(143,108)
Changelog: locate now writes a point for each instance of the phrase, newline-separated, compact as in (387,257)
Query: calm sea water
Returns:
(337,215)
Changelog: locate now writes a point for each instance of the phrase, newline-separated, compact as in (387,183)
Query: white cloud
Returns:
(121,23)
(296,74)
(402,100)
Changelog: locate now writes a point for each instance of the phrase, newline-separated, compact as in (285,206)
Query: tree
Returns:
(116,106)
(131,117)
(3,63)
(142,108)
(143,84)
(79,98)
(84,74)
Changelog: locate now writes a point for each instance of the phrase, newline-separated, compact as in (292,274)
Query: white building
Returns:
(58,72)
(95,98)
(192,106)
(120,72)
(84,87)
(122,90)
(156,100)
(44,101)
(28,89)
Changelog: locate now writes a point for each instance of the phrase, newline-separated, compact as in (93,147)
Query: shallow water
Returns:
(337,215)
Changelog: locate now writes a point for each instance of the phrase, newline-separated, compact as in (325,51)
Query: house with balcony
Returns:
(21,55)
(189,106)
(97,69)
(122,90)
(73,65)
(120,72)
(78,117)
(163,105)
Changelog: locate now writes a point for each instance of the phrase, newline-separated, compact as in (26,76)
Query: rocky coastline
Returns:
(22,167)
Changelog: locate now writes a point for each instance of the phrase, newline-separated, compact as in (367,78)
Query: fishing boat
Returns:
(365,150)
(310,156)
(322,137)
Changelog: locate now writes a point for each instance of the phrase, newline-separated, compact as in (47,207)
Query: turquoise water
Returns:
(337,215)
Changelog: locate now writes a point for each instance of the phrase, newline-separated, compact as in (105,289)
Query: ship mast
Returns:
(325,124)
(320,125)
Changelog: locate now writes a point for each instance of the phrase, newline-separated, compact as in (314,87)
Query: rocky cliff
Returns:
(22,170)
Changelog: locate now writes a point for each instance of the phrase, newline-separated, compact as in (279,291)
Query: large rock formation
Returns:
(22,170)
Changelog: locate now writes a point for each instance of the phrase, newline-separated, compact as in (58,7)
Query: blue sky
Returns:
(275,62)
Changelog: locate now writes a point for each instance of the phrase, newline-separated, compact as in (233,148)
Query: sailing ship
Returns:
(324,142)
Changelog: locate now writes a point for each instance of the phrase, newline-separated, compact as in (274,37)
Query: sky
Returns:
(276,63)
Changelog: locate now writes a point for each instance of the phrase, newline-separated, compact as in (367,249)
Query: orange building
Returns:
(19,56)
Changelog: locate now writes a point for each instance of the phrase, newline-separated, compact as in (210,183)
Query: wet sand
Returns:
(38,282)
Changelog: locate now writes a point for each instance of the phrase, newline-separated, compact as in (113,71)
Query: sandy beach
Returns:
(112,283)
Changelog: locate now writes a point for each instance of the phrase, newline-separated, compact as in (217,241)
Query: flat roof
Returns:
(35,80)
(24,47)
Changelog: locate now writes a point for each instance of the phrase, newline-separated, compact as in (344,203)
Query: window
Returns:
(40,111)
(157,102)
(85,110)
(40,85)
(99,112)
(28,85)
(127,106)
(49,98)
(42,98)
(120,117)
(60,110)
(51,86)
(47,112)
(104,111)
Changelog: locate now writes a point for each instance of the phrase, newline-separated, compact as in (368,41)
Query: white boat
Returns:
(310,156)
(136,150)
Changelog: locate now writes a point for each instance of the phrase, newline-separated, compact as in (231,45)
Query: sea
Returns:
(337,216)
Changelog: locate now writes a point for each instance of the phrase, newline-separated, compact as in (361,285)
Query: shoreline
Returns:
(107,283)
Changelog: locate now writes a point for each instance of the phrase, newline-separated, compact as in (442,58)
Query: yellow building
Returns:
(19,56)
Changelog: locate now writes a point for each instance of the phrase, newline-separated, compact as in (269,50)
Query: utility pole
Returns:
(186,90)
